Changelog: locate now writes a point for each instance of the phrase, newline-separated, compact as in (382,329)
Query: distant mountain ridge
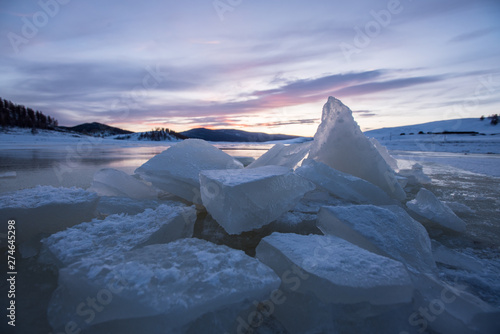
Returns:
(96,128)
(231,135)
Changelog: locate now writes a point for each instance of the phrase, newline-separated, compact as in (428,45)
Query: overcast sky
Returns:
(254,65)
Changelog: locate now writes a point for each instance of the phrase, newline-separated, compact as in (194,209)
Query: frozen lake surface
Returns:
(75,164)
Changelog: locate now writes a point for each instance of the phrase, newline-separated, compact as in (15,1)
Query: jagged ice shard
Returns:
(427,205)
(340,144)
(176,170)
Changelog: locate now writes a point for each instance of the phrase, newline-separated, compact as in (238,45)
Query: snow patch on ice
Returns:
(119,233)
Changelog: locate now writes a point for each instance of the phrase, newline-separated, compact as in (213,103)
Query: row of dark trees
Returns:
(493,119)
(160,134)
(12,114)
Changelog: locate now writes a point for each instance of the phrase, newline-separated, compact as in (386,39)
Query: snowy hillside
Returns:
(452,125)
(466,135)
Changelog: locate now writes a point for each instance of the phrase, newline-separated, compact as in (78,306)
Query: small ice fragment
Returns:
(280,155)
(112,182)
(427,205)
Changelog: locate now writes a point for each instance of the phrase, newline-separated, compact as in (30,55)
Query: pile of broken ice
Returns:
(309,238)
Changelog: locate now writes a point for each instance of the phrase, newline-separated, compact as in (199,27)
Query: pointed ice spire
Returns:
(340,144)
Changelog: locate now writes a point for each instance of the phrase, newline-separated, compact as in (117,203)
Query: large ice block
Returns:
(280,155)
(340,144)
(44,210)
(245,199)
(119,233)
(391,233)
(112,182)
(334,270)
(427,205)
(158,288)
(342,185)
(176,170)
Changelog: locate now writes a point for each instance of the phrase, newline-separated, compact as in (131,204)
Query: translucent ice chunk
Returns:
(176,170)
(340,144)
(246,199)
(427,205)
(391,233)
(112,182)
(342,185)
(158,288)
(385,154)
(280,155)
(334,270)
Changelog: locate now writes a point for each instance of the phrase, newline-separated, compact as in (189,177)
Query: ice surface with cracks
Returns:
(335,270)
(119,233)
(427,205)
(112,182)
(176,170)
(44,210)
(340,144)
(388,232)
(245,199)
(280,155)
(342,185)
(160,287)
